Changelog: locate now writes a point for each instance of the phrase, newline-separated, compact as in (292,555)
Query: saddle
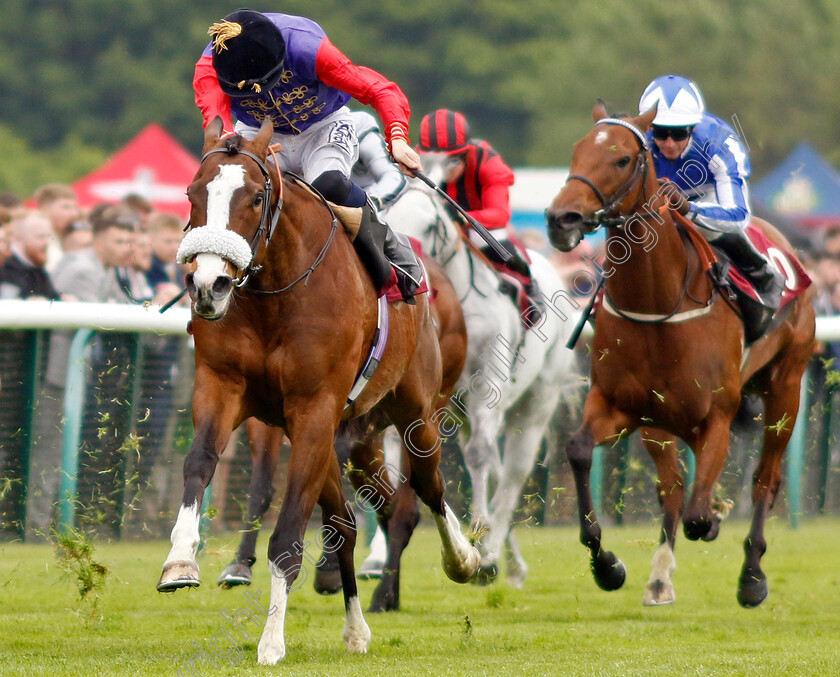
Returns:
(402,254)
(758,318)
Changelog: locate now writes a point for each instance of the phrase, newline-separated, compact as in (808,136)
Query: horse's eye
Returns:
(623,162)
(258,200)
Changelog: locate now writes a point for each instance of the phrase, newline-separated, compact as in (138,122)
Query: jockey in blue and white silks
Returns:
(707,161)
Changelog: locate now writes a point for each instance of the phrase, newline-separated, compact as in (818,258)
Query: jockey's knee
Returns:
(336,187)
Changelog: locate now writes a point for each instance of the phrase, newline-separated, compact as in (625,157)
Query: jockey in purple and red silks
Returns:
(285,68)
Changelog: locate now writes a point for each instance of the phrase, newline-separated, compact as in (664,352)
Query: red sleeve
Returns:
(209,97)
(367,86)
(496,178)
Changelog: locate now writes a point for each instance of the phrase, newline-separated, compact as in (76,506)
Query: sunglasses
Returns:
(676,133)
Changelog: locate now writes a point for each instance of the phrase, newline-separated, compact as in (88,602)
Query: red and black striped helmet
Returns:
(444,131)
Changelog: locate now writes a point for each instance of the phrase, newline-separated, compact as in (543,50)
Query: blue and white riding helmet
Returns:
(680,103)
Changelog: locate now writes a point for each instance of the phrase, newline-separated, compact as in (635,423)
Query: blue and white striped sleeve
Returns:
(728,209)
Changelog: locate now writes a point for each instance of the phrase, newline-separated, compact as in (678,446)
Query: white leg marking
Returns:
(356,631)
(460,559)
(272,646)
(659,588)
(185,537)
(375,561)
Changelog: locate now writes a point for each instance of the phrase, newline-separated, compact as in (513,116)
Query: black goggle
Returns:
(676,133)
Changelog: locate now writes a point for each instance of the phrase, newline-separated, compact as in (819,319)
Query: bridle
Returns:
(269,216)
(606,216)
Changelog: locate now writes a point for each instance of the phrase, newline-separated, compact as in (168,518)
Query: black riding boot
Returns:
(767,280)
(369,244)
(378,246)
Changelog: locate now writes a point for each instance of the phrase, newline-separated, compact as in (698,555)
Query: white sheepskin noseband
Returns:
(208,240)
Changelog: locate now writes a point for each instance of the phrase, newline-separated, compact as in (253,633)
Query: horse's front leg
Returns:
(670,490)
(291,559)
(265,442)
(216,413)
(603,424)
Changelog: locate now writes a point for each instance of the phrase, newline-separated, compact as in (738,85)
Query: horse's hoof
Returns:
(235,574)
(327,582)
(357,639)
(178,575)
(752,589)
(659,593)
(382,603)
(713,531)
(487,573)
(463,570)
(609,571)
(270,655)
(369,570)
(699,527)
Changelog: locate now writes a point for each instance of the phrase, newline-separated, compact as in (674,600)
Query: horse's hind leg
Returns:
(460,559)
(525,426)
(265,442)
(212,431)
(670,491)
(340,537)
(781,406)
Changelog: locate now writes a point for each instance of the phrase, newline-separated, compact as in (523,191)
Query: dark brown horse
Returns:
(397,506)
(669,355)
(286,346)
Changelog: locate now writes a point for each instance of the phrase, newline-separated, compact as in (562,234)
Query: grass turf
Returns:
(559,624)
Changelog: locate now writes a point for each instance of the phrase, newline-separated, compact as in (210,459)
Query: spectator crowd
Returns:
(112,253)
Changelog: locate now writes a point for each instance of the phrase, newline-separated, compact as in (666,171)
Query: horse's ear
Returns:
(600,111)
(644,121)
(212,133)
(263,137)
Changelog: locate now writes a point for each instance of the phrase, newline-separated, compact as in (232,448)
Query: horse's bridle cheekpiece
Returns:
(233,246)
(603,216)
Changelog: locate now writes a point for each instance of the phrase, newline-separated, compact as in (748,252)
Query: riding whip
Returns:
(481,230)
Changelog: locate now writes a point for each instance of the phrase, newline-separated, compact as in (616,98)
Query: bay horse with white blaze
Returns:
(284,316)
(368,470)
(669,355)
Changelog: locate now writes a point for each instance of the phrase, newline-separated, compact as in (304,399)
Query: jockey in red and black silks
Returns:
(479,181)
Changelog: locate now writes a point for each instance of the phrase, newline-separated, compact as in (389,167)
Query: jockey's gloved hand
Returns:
(676,198)
(405,156)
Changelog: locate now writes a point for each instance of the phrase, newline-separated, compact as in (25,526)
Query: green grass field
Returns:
(559,624)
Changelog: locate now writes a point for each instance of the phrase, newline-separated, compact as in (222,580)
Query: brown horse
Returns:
(396,506)
(671,356)
(286,346)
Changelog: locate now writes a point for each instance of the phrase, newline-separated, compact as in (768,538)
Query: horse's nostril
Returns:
(221,286)
(190,280)
(570,219)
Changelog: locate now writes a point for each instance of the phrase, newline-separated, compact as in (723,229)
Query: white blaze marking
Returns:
(601,137)
(219,197)
(220,193)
